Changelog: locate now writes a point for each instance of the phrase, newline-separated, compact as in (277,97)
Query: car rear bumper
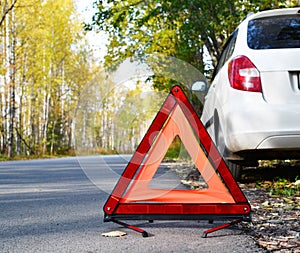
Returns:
(262,126)
(281,142)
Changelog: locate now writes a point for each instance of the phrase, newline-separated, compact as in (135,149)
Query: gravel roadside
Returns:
(275,222)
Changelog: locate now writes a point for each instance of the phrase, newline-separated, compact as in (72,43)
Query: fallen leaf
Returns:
(265,244)
(287,200)
(114,234)
(297,183)
(266,203)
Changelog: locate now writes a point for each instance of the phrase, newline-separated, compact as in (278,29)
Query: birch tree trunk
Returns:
(11,45)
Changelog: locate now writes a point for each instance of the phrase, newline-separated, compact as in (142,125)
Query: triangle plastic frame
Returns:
(131,199)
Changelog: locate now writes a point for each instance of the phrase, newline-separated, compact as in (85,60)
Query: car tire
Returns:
(236,169)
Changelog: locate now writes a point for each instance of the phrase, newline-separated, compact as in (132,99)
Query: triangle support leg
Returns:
(226,225)
(139,230)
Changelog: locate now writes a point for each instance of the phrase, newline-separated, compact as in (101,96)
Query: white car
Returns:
(252,108)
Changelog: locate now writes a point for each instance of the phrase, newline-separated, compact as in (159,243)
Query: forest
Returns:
(57,98)
(44,64)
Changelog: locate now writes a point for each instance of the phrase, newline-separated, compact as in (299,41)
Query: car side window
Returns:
(231,47)
(227,52)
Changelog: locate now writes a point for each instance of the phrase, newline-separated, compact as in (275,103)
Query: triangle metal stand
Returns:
(204,235)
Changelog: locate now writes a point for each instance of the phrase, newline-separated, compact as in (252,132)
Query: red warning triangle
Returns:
(132,198)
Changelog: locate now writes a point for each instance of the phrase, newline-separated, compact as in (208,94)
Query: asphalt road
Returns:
(56,206)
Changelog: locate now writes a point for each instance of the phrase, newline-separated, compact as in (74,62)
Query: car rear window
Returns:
(274,32)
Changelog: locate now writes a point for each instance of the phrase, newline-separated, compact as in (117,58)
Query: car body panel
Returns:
(253,120)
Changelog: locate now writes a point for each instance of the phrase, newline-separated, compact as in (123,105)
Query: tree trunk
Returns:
(11,43)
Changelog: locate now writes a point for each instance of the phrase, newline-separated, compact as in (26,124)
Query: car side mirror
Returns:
(199,86)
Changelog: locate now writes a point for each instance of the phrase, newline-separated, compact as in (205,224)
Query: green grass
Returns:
(281,187)
(177,151)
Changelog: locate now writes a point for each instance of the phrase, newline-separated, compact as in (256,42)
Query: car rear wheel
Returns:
(236,169)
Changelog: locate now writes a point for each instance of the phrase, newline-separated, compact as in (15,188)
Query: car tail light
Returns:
(243,75)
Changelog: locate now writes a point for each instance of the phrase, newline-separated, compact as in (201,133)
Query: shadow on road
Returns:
(287,171)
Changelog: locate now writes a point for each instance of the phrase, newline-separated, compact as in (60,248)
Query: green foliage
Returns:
(177,151)
(43,65)
(281,187)
(133,117)
(182,29)
(174,150)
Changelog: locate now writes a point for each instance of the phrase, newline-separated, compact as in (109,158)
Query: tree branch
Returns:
(7,11)
(24,141)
